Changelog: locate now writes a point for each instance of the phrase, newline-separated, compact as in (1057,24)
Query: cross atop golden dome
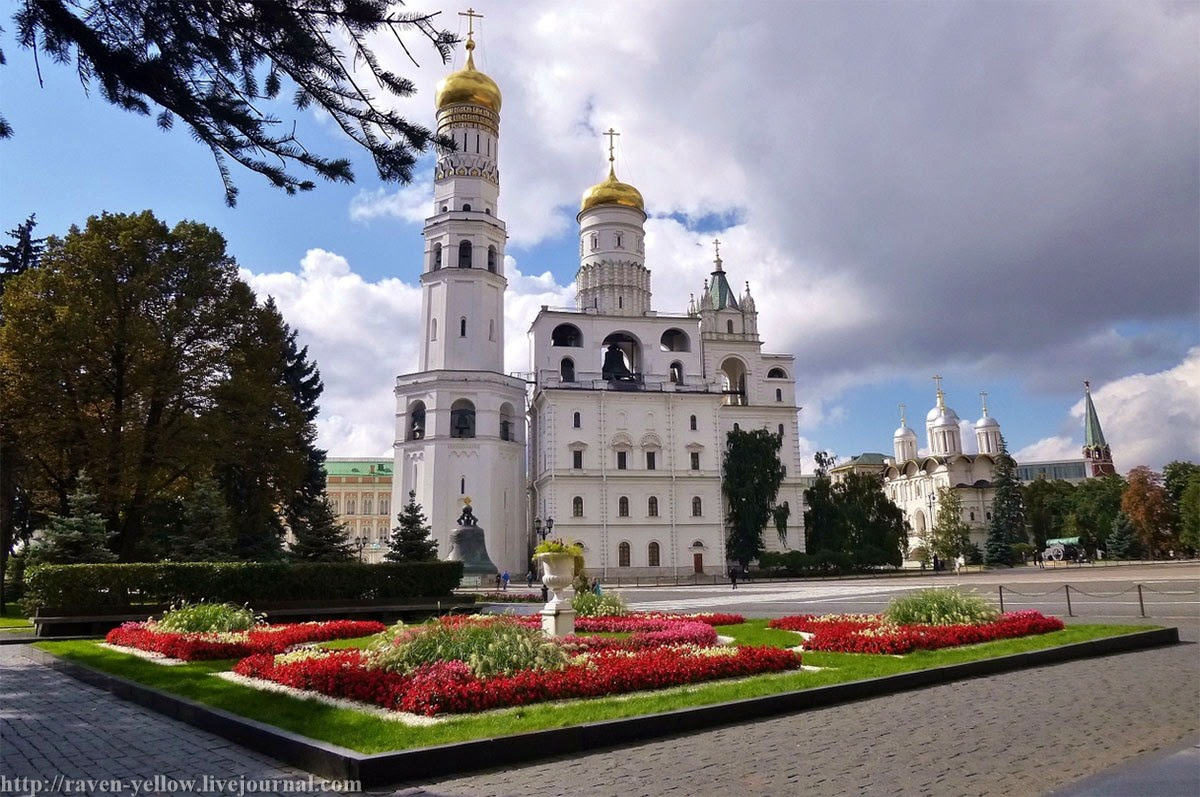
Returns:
(612,191)
(468,85)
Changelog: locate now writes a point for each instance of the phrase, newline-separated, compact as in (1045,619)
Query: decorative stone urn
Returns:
(558,572)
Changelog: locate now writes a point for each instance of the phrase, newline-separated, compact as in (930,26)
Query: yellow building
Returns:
(360,492)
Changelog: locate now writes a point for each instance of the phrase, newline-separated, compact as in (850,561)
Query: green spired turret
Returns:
(1095,448)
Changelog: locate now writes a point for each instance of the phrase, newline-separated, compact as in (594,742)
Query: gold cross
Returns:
(717,246)
(612,134)
(937,380)
(471,16)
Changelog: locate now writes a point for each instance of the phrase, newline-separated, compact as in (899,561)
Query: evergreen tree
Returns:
(750,477)
(320,538)
(76,538)
(17,258)
(1189,515)
(1007,525)
(1123,541)
(410,541)
(214,66)
(950,535)
(199,526)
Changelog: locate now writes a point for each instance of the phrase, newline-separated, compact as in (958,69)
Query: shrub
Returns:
(88,588)
(940,607)
(589,604)
(487,646)
(206,618)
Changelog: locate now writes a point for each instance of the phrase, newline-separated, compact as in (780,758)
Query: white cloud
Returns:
(412,203)
(1049,448)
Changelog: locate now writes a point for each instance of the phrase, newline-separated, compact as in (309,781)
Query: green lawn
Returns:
(13,619)
(370,734)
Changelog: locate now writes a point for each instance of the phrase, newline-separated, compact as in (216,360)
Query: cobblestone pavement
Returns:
(1024,733)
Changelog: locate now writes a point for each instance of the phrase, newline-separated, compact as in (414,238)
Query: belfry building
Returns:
(627,408)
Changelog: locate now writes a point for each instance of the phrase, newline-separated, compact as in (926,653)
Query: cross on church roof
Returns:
(717,248)
(612,138)
(471,17)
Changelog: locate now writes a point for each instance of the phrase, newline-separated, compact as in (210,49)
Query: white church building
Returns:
(627,408)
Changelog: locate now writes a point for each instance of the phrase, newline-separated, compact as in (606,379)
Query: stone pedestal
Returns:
(558,621)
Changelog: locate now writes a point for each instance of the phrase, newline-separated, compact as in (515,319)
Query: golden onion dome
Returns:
(612,192)
(468,85)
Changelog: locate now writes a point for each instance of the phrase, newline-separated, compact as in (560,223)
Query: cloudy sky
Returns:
(1003,193)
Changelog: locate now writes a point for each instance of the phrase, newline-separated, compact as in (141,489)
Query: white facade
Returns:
(912,481)
(631,408)
(459,419)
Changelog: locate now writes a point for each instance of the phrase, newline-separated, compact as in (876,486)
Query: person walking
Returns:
(959,561)
(504,579)
(733,574)
(529,579)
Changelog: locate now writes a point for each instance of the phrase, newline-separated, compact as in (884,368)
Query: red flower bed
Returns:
(237,644)
(869,634)
(450,687)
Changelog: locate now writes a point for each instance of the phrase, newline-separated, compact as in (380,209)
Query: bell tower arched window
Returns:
(462,419)
(464,255)
(437,256)
(462,327)
(492,259)
(566,369)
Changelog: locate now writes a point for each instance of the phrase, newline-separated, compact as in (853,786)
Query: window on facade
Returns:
(650,460)
(437,255)
(652,554)
(989,515)
(677,373)
(492,259)
(779,394)
(729,326)
(623,555)
(622,460)
(462,327)
(577,420)
(416,421)
(697,507)
(464,254)
(577,506)
(350,506)
(695,460)
(595,242)
(693,423)
(577,460)
(623,507)
(619,241)
(566,335)
(383,508)
(652,506)
(433,329)
(566,370)
(781,430)
(737,427)
(972,517)
(366,506)
(491,329)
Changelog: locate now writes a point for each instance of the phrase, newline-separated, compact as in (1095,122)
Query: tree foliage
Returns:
(1007,525)
(1095,505)
(1177,475)
(1189,514)
(220,67)
(853,517)
(319,537)
(195,525)
(750,477)
(23,254)
(77,537)
(1147,504)
(950,534)
(820,522)
(411,540)
(134,353)
(1047,505)
(1123,542)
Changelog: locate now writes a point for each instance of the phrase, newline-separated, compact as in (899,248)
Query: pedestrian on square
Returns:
(959,561)
(545,594)
(529,579)
(504,579)
(733,574)
(497,581)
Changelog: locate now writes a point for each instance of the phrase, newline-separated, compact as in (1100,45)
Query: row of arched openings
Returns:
(653,555)
(462,421)
(466,253)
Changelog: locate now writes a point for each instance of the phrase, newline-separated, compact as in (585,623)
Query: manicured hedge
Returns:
(98,588)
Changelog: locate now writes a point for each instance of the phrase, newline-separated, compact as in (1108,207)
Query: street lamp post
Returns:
(929,526)
(360,543)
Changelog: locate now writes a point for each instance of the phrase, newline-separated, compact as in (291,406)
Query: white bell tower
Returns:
(460,422)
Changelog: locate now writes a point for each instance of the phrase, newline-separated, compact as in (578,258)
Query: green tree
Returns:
(411,540)
(219,68)
(18,257)
(1095,504)
(320,538)
(1123,542)
(750,477)
(1007,525)
(1189,515)
(872,527)
(1176,477)
(197,524)
(950,534)
(74,538)
(1146,503)
(820,517)
(1047,504)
